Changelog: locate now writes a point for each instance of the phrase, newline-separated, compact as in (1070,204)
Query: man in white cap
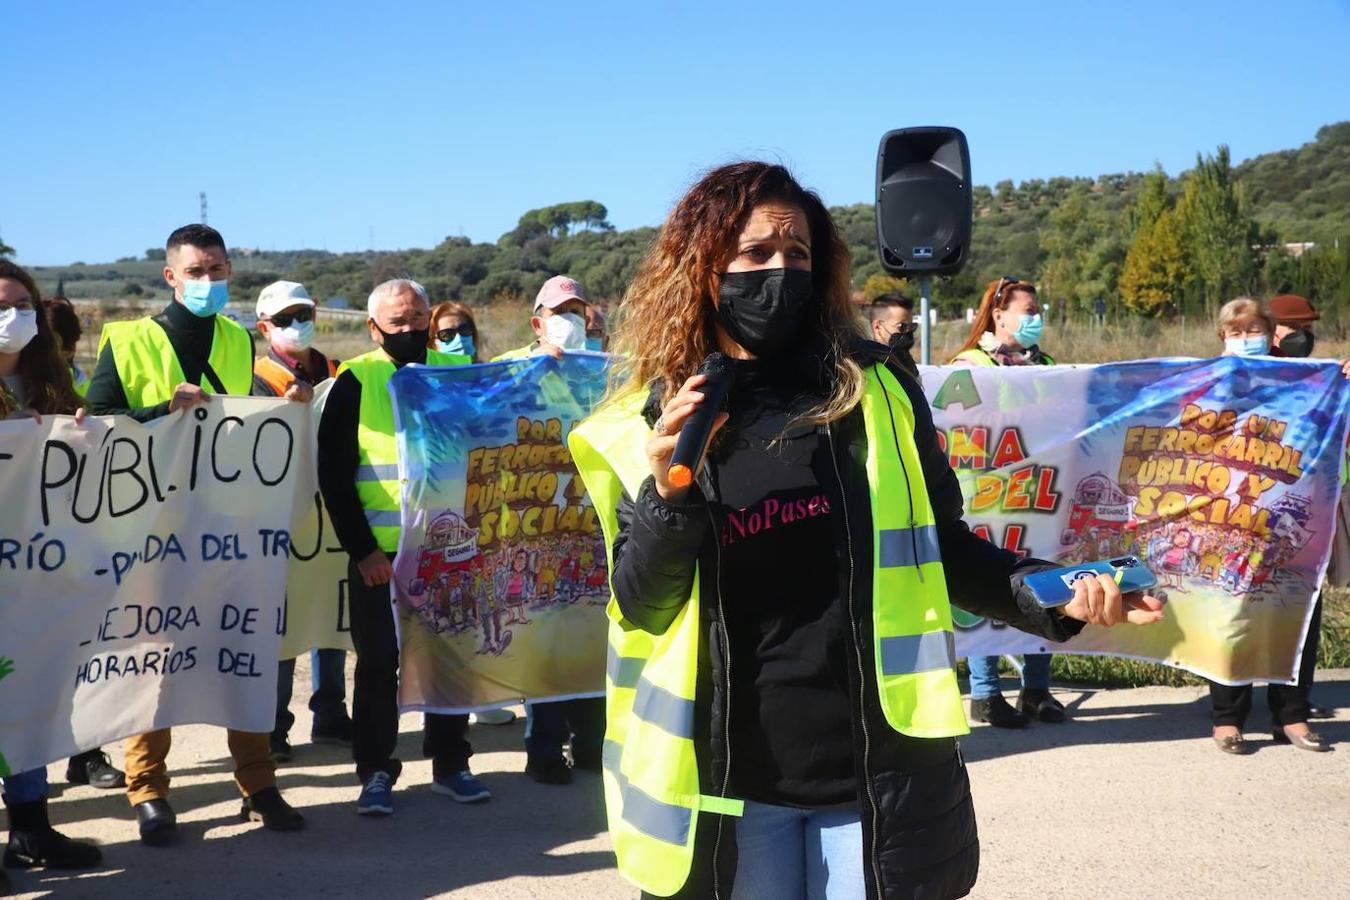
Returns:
(559,320)
(286,315)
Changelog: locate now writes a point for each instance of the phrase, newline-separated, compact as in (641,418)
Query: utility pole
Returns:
(202,196)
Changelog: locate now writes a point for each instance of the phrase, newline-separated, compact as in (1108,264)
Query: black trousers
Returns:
(552,724)
(375,693)
(1288,702)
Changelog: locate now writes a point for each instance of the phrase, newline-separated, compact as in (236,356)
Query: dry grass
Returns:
(1083,342)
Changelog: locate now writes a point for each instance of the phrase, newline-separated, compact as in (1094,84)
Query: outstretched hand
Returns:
(1098,601)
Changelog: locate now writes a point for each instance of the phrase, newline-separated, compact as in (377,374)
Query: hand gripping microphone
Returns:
(692,442)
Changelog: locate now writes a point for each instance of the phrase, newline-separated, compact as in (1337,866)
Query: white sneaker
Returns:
(492,717)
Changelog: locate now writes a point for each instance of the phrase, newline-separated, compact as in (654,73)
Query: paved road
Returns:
(1129,800)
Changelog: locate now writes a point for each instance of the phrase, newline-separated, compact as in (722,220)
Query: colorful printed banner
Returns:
(500,578)
(143,570)
(1222,475)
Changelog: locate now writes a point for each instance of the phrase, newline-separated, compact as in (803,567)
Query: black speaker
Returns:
(923,201)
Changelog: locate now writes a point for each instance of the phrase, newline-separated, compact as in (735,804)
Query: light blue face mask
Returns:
(1247,346)
(205,298)
(463,343)
(596,344)
(1029,330)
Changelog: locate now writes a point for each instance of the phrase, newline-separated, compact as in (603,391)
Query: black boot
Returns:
(34,843)
(158,825)
(996,711)
(1036,703)
(270,808)
(94,768)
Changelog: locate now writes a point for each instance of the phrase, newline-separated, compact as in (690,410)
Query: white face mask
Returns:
(293,338)
(18,327)
(566,330)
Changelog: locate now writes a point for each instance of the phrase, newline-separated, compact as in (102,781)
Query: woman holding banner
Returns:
(1007,332)
(34,381)
(782,696)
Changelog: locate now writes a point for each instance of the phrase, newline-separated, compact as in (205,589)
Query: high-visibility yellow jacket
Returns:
(652,779)
(149,369)
(377,478)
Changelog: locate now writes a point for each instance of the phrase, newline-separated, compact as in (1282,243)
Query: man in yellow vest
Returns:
(560,321)
(358,476)
(286,315)
(149,368)
(563,320)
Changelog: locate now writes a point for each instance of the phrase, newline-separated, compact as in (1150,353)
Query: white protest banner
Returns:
(142,570)
(316,587)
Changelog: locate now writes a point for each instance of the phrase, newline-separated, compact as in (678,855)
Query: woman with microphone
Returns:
(781,687)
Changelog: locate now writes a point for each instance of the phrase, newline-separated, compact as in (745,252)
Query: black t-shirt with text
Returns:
(790,730)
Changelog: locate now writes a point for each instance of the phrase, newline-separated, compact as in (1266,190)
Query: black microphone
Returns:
(692,442)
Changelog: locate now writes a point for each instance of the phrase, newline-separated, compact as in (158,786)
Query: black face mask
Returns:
(764,310)
(902,342)
(405,347)
(1299,343)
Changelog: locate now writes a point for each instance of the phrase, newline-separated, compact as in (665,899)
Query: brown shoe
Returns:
(1311,741)
(1234,744)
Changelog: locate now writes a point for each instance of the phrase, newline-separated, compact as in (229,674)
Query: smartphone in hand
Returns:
(1054,587)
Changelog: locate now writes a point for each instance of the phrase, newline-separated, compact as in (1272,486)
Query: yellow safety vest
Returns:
(651,777)
(377,479)
(80,381)
(978,356)
(149,369)
(519,353)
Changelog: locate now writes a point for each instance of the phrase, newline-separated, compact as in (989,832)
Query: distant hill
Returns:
(1296,195)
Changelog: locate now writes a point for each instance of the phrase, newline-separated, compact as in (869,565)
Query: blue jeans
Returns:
(328,681)
(984,674)
(798,854)
(25,787)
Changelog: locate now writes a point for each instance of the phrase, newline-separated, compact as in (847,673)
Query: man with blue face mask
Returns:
(148,368)
(559,320)
(286,315)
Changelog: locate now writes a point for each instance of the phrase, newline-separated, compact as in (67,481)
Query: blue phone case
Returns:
(1054,587)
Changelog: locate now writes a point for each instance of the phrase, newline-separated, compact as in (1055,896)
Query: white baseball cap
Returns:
(281,295)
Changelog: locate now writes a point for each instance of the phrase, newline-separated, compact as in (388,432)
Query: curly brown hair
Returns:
(667,322)
(47,380)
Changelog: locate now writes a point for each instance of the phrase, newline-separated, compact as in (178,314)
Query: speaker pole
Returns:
(925,326)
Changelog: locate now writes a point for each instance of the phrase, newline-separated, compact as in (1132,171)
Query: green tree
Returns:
(5,249)
(1153,278)
(879,284)
(1219,232)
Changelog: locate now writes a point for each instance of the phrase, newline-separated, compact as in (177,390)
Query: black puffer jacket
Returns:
(919,834)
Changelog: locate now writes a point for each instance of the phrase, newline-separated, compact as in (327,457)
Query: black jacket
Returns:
(919,834)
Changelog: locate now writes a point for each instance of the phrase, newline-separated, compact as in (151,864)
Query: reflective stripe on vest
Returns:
(651,771)
(377,480)
(149,369)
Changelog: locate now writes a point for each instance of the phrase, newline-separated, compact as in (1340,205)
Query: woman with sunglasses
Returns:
(453,330)
(1007,332)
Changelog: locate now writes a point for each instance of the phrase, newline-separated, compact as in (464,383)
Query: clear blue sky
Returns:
(311,127)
